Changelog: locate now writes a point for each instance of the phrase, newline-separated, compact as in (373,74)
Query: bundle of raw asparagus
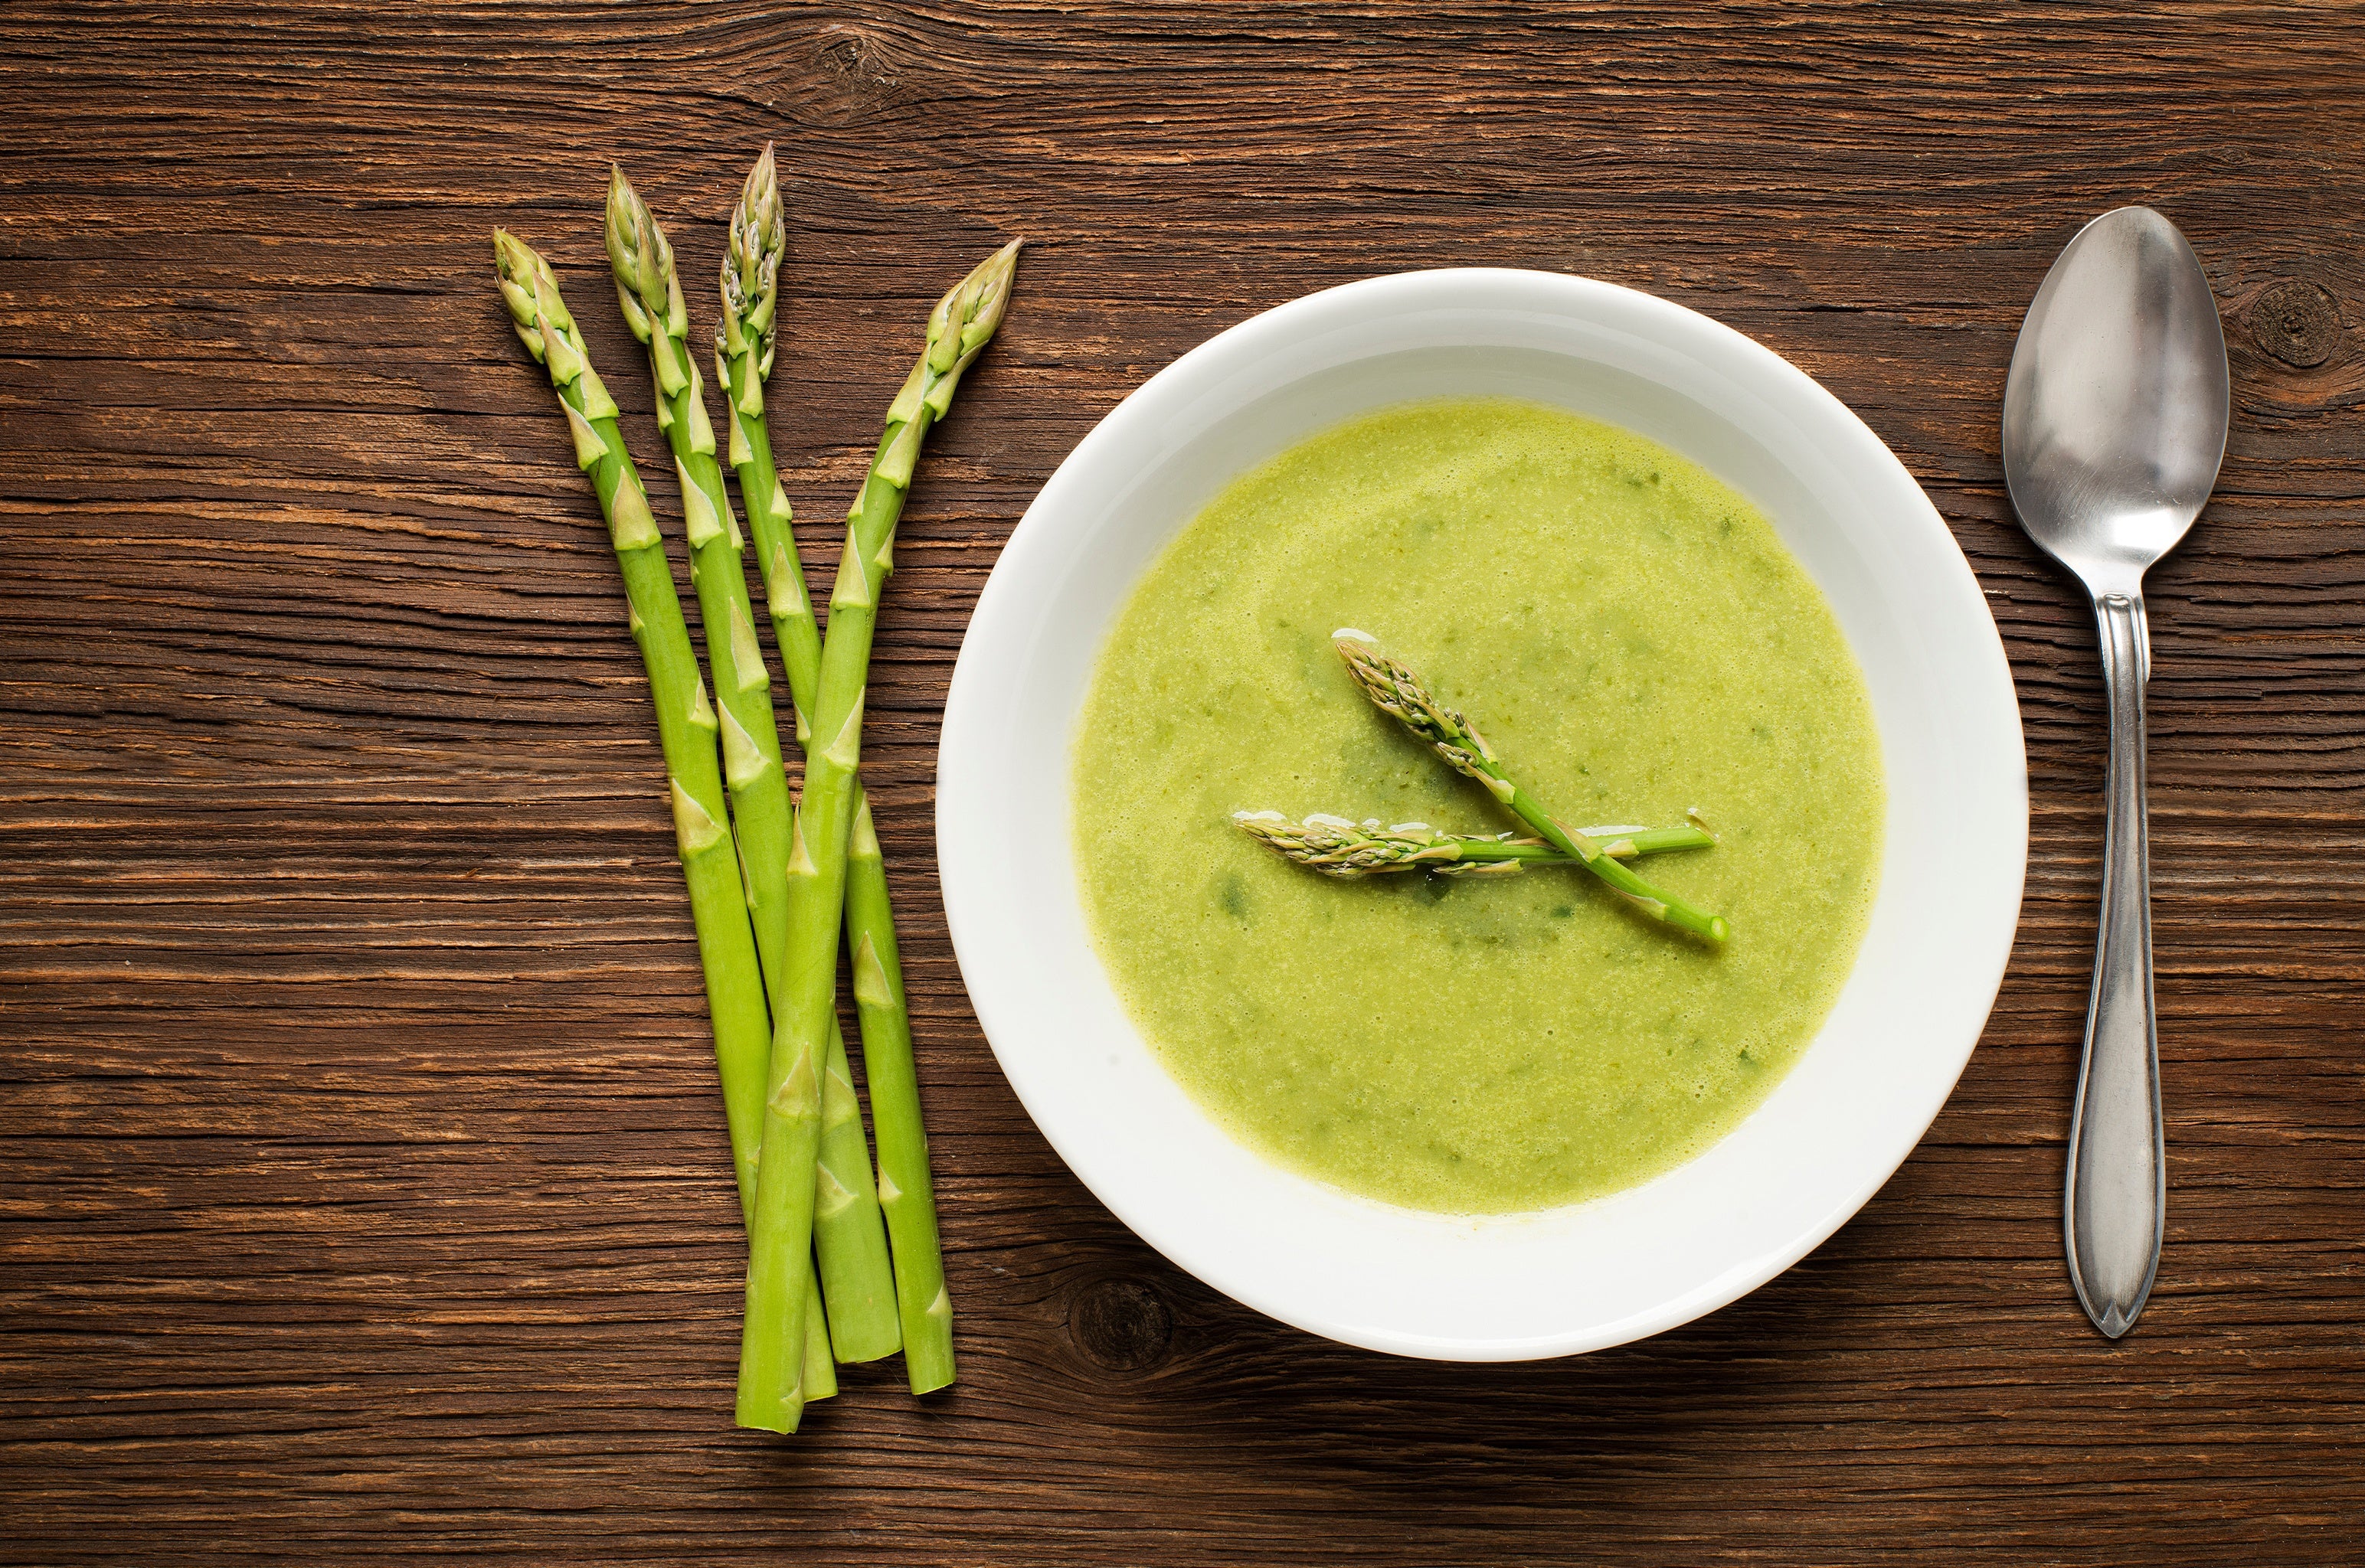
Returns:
(1339,848)
(841,1267)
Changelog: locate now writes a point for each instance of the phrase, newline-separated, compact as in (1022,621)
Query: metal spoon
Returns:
(2113,425)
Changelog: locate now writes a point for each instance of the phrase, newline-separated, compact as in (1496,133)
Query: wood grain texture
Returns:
(364,1197)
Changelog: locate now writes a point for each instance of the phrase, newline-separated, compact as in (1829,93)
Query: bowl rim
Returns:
(970,717)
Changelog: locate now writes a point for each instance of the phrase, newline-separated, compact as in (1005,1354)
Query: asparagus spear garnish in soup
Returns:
(686,720)
(959,329)
(1337,847)
(743,351)
(1398,692)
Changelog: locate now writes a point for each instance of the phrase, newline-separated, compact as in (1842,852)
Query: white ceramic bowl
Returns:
(1594,1274)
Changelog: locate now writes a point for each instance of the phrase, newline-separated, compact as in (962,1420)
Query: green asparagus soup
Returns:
(1634,642)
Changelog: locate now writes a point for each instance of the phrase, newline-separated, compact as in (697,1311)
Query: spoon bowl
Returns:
(2115,412)
(2114,421)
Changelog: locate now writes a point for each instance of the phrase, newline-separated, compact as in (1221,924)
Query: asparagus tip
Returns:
(751,266)
(973,306)
(621,197)
(759,194)
(510,252)
(505,247)
(629,234)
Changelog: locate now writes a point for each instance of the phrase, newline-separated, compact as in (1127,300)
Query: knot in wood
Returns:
(2297,322)
(1121,1324)
(845,74)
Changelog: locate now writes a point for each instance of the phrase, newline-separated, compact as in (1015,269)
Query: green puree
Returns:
(1634,640)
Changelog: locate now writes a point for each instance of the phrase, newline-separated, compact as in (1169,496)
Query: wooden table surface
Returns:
(364,1195)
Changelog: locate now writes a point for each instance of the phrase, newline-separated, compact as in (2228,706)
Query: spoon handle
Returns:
(2116,1196)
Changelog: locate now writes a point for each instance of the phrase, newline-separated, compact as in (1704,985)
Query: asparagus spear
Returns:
(744,348)
(1338,848)
(1398,692)
(855,1263)
(906,1190)
(857,1277)
(959,329)
(686,720)
(744,352)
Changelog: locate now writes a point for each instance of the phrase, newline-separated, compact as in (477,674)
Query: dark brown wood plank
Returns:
(364,1197)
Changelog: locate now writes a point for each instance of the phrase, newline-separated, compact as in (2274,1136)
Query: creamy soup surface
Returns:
(1634,640)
